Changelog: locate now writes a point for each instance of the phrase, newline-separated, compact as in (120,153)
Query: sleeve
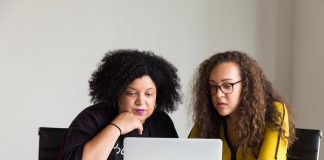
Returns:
(269,144)
(83,128)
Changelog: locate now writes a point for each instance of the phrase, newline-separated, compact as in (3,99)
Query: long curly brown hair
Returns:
(256,107)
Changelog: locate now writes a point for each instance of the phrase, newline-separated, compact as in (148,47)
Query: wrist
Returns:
(116,126)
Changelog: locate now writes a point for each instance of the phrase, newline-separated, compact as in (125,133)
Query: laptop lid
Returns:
(136,148)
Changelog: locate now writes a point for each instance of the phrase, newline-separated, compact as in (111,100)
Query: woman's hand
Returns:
(127,122)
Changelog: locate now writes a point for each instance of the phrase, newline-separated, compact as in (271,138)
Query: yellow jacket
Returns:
(269,144)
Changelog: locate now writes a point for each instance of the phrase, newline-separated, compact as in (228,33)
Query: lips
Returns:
(140,111)
(221,105)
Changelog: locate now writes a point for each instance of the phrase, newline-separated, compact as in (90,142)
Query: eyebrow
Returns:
(135,89)
(223,80)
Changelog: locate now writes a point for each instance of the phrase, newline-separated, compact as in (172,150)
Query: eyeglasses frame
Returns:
(220,87)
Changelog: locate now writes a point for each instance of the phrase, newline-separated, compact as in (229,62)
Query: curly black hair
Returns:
(119,68)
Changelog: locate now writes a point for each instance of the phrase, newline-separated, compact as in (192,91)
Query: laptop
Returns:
(136,148)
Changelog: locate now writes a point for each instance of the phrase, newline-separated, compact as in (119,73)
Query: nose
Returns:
(140,100)
(219,92)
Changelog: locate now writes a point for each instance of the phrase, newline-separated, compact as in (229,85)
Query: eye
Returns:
(227,85)
(131,94)
(149,94)
(213,86)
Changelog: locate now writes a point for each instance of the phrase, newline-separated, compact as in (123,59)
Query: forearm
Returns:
(102,144)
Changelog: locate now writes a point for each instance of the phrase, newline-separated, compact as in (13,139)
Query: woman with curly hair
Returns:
(233,101)
(132,91)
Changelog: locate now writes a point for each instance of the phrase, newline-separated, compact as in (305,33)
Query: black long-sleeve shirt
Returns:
(94,118)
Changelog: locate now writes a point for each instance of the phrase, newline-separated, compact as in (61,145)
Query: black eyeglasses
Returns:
(226,88)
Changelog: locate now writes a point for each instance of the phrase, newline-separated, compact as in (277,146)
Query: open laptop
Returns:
(172,149)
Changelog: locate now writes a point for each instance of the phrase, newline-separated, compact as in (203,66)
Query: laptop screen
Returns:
(136,148)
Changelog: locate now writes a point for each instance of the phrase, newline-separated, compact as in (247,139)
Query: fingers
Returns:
(128,122)
(140,129)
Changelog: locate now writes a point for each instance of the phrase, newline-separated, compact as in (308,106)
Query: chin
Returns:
(142,118)
(223,114)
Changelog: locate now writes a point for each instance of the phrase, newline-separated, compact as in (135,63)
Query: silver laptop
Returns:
(172,149)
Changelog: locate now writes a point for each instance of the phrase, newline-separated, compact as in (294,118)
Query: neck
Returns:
(232,120)
(232,129)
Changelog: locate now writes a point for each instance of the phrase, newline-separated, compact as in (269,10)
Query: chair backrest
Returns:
(307,145)
(50,140)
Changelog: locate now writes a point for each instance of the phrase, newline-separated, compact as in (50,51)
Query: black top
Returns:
(94,118)
(230,145)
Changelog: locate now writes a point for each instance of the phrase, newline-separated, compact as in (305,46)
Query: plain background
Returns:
(49,48)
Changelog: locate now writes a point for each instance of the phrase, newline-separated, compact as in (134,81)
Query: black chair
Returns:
(50,140)
(307,145)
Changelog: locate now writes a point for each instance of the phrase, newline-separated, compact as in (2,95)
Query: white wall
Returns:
(308,48)
(48,49)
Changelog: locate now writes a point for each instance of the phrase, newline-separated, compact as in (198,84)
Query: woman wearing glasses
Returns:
(233,101)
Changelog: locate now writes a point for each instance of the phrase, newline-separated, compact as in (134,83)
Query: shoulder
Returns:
(161,125)
(279,106)
(160,117)
(97,114)
(283,120)
(99,109)
(160,113)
